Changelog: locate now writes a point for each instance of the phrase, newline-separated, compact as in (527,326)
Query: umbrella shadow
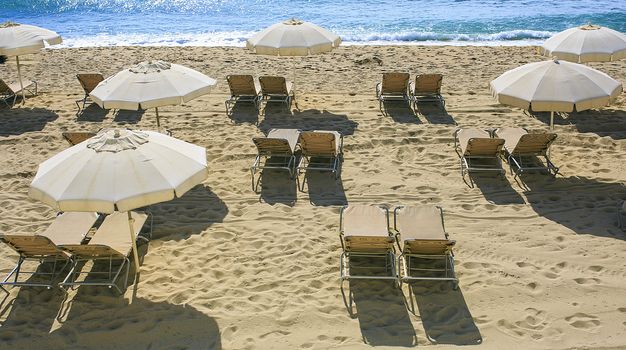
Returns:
(310,119)
(243,112)
(610,123)
(128,116)
(274,108)
(188,215)
(381,311)
(17,121)
(544,117)
(277,187)
(324,189)
(400,112)
(444,313)
(92,113)
(583,205)
(435,112)
(496,188)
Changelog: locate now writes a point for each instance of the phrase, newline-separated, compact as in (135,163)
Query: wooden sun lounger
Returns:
(523,149)
(421,236)
(427,87)
(474,147)
(364,233)
(88,81)
(277,89)
(12,90)
(321,150)
(67,228)
(243,88)
(111,243)
(275,151)
(74,138)
(393,87)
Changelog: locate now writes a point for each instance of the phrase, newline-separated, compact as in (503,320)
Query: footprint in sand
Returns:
(583,321)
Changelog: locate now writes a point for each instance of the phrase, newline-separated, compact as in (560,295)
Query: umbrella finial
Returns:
(8,24)
(589,26)
(293,22)
(117,140)
(555,59)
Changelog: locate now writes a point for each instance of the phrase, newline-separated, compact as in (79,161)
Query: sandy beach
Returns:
(541,264)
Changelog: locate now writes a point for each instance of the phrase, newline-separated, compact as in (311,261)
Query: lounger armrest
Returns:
(411,90)
(378,87)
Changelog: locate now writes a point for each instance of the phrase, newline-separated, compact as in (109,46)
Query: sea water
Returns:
(84,23)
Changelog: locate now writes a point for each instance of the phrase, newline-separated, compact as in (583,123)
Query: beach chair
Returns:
(394,87)
(426,88)
(67,228)
(621,216)
(365,241)
(11,91)
(275,151)
(321,150)
(426,250)
(111,244)
(523,150)
(276,89)
(478,151)
(88,81)
(74,138)
(243,88)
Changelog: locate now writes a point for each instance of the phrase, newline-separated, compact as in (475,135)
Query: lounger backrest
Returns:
(321,144)
(365,228)
(267,146)
(241,85)
(89,81)
(483,147)
(5,88)
(421,230)
(33,246)
(91,250)
(395,83)
(271,85)
(428,84)
(74,138)
(534,143)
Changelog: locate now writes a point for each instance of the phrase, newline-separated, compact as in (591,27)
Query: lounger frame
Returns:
(331,164)
(383,96)
(466,161)
(13,277)
(235,98)
(404,259)
(275,160)
(271,97)
(114,271)
(84,79)
(426,96)
(8,94)
(520,162)
(389,256)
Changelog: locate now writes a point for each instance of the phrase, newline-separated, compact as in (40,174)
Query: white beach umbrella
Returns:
(151,84)
(555,86)
(293,38)
(587,43)
(20,39)
(119,170)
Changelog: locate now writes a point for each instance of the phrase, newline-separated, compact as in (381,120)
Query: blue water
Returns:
(229,22)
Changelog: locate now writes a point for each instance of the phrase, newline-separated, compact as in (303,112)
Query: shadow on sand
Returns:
(92,113)
(323,188)
(17,121)
(435,112)
(197,209)
(244,112)
(277,187)
(445,316)
(381,311)
(585,206)
(129,117)
(400,112)
(610,123)
(496,188)
(310,119)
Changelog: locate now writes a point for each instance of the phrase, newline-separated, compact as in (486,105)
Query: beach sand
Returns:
(541,266)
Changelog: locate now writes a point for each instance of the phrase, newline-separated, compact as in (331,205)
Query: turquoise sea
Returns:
(229,22)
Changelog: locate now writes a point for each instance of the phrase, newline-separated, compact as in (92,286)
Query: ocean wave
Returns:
(521,34)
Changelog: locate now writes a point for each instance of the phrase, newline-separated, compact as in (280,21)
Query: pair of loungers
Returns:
(9,92)
(396,87)
(243,88)
(480,150)
(424,248)
(64,243)
(320,150)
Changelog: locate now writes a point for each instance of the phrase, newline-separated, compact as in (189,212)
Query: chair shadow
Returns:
(17,121)
(445,316)
(584,205)
(435,112)
(244,112)
(324,189)
(381,311)
(610,123)
(92,113)
(276,109)
(496,188)
(198,209)
(310,119)
(277,187)
(128,116)
(400,112)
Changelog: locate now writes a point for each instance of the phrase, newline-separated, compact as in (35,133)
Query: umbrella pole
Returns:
(551,120)
(133,239)
(158,121)
(19,76)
